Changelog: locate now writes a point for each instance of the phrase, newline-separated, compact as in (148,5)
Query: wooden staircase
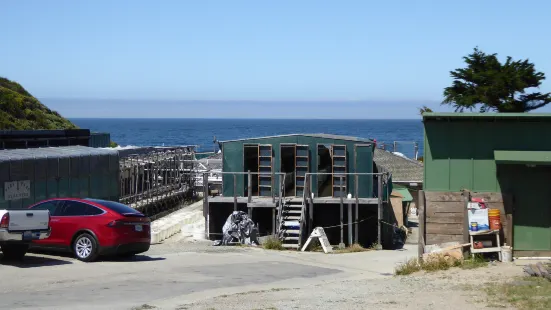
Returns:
(291,222)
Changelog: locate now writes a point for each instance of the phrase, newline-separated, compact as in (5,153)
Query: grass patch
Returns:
(144,307)
(272,243)
(352,249)
(523,293)
(475,262)
(438,262)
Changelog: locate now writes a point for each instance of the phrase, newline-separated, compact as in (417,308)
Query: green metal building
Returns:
(495,153)
(296,155)
(31,175)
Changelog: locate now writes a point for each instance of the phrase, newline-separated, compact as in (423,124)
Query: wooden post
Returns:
(421,216)
(249,186)
(273,222)
(350,240)
(379,211)
(466,199)
(357,217)
(341,245)
(206,203)
(310,203)
(272,189)
(234,192)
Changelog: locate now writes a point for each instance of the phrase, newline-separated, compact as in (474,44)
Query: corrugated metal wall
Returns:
(233,160)
(74,171)
(460,154)
(99,139)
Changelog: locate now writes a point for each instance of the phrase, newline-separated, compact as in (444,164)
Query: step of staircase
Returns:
(291,218)
(290,238)
(291,231)
(292,212)
(290,246)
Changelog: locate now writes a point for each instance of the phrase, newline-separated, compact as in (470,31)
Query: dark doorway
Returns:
(325,165)
(287,166)
(250,163)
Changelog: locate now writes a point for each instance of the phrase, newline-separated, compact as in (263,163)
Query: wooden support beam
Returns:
(206,203)
(341,245)
(379,211)
(234,192)
(249,186)
(421,215)
(350,240)
(466,200)
(356,194)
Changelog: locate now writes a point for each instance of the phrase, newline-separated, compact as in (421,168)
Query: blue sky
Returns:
(377,59)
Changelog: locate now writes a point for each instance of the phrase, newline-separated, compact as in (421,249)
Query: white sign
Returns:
(17,190)
(319,233)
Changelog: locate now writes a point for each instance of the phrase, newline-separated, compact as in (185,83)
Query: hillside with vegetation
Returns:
(19,110)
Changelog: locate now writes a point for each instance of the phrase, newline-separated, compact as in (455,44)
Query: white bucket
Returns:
(506,253)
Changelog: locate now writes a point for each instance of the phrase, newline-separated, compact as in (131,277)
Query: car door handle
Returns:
(30,215)
(54,220)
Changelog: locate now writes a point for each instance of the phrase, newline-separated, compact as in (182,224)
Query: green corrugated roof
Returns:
(436,115)
(313,135)
(404,192)
(524,157)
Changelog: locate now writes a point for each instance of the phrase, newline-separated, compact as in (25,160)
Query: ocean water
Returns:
(169,132)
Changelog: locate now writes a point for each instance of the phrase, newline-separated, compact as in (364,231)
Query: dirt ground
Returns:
(451,289)
(179,274)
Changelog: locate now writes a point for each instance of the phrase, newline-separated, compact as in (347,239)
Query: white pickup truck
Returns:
(19,227)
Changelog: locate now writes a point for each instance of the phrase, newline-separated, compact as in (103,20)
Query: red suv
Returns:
(93,227)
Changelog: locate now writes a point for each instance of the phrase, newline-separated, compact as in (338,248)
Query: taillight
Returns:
(114,223)
(5,221)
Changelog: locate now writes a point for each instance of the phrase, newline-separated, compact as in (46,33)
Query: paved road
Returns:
(178,273)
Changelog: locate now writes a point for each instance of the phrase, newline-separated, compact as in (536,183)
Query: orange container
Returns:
(493,212)
(495,222)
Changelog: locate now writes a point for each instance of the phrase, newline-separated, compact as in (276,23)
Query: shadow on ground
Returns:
(134,258)
(131,258)
(32,262)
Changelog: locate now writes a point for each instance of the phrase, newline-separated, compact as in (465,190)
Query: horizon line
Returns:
(243,118)
(249,100)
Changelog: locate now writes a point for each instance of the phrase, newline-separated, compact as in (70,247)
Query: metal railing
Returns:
(395,144)
(383,179)
(155,176)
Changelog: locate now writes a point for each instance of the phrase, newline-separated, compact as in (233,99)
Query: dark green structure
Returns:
(99,139)
(31,175)
(488,152)
(295,155)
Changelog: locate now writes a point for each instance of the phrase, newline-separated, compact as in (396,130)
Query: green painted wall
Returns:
(459,153)
(233,160)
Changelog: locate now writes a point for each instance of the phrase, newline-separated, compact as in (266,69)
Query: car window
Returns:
(48,205)
(117,207)
(91,210)
(73,208)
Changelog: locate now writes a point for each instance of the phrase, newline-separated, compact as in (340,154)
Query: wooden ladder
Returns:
(338,158)
(265,165)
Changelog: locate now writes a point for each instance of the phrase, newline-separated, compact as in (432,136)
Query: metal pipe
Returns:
(379,212)
(249,186)
(206,203)
(234,192)
(357,195)
(342,212)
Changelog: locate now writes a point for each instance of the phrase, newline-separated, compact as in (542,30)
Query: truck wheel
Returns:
(85,247)
(14,251)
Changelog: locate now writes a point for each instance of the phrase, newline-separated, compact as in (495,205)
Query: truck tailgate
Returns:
(21,220)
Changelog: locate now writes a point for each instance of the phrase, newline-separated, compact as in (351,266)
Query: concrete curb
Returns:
(172,224)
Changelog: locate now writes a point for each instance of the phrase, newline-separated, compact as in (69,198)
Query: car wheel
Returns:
(85,247)
(14,251)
